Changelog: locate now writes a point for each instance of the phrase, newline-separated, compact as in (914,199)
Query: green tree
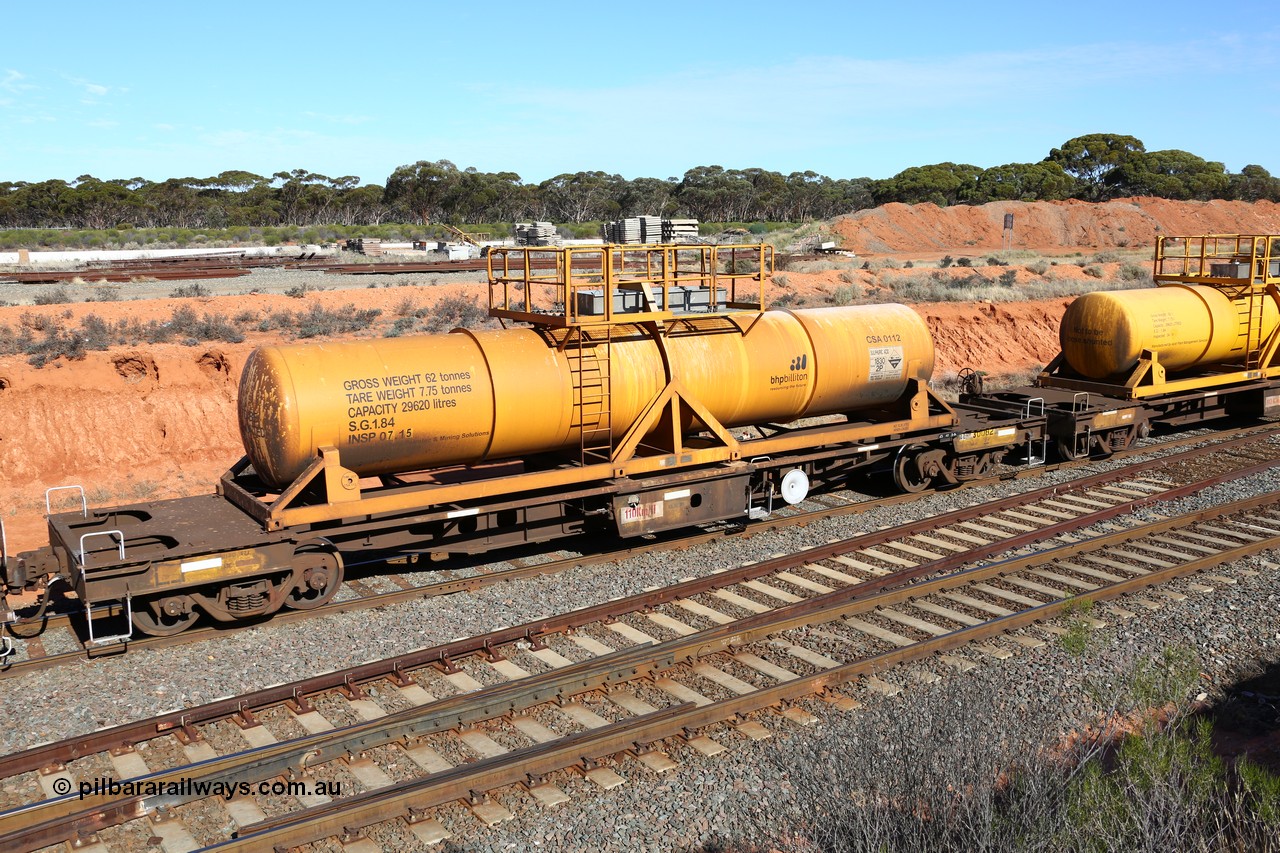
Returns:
(174,202)
(581,196)
(1254,183)
(98,204)
(769,197)
(940,183)
(845,196)
(234,180)
(43,204)
(1024,182)
(237,197)
(420,189)
(360,205)
(257,205)
(1092,157)
(486,197)
(1168,174)
(646,196)
(304,197)
(715,194)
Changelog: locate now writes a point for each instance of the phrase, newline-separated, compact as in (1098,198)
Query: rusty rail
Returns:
(67,817)
(341,816)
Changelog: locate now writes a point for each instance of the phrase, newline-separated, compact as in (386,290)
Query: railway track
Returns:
(60,640)
(227,266)
(408,739)
(178,269)
(167,269)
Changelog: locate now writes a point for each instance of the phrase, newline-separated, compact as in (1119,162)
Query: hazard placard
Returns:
(886,364)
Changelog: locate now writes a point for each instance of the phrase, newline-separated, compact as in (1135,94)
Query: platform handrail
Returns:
(83,555)
(4,547)
(1245,260)
(1078,405)
(542,285)
(84,501)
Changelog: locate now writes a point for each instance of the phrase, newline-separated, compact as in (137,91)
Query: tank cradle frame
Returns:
(1246,268)
(342,495)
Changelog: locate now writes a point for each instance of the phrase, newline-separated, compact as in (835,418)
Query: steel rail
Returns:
(64,818)
(443,654)
(404,799)
(174,267)
(95,276)
(340,817)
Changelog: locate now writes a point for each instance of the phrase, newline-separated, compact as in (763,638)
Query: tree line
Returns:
(1094,167)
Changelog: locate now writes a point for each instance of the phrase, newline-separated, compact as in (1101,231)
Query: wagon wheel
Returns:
(321,571)
(153,619)
(1067,448)
(906,472)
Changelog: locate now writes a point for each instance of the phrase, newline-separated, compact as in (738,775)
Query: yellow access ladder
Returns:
(589,360)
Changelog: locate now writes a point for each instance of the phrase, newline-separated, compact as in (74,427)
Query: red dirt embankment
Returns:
(1048,225)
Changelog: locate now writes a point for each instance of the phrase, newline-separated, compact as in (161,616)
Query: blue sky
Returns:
(127,89)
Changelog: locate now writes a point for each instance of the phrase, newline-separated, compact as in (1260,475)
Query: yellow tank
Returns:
(404,404)
(1104,334)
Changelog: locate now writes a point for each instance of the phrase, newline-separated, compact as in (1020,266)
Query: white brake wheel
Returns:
(795,486)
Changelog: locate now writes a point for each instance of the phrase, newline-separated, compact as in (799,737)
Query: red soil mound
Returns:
(1048,225)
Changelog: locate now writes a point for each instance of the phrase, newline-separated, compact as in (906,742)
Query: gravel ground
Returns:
(705,798)
(708,801)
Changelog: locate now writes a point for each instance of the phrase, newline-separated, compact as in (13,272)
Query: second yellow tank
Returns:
(1103,334)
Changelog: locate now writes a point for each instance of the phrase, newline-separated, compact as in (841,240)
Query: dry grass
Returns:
(974,286)
(970,767)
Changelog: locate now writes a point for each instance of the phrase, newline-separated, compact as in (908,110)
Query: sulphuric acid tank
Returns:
(1103,334)
(403,404)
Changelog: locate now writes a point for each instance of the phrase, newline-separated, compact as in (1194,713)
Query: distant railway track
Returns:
(222,266)
(64,631)
(165,269)
(176,269)
(592,690)
(119,277)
